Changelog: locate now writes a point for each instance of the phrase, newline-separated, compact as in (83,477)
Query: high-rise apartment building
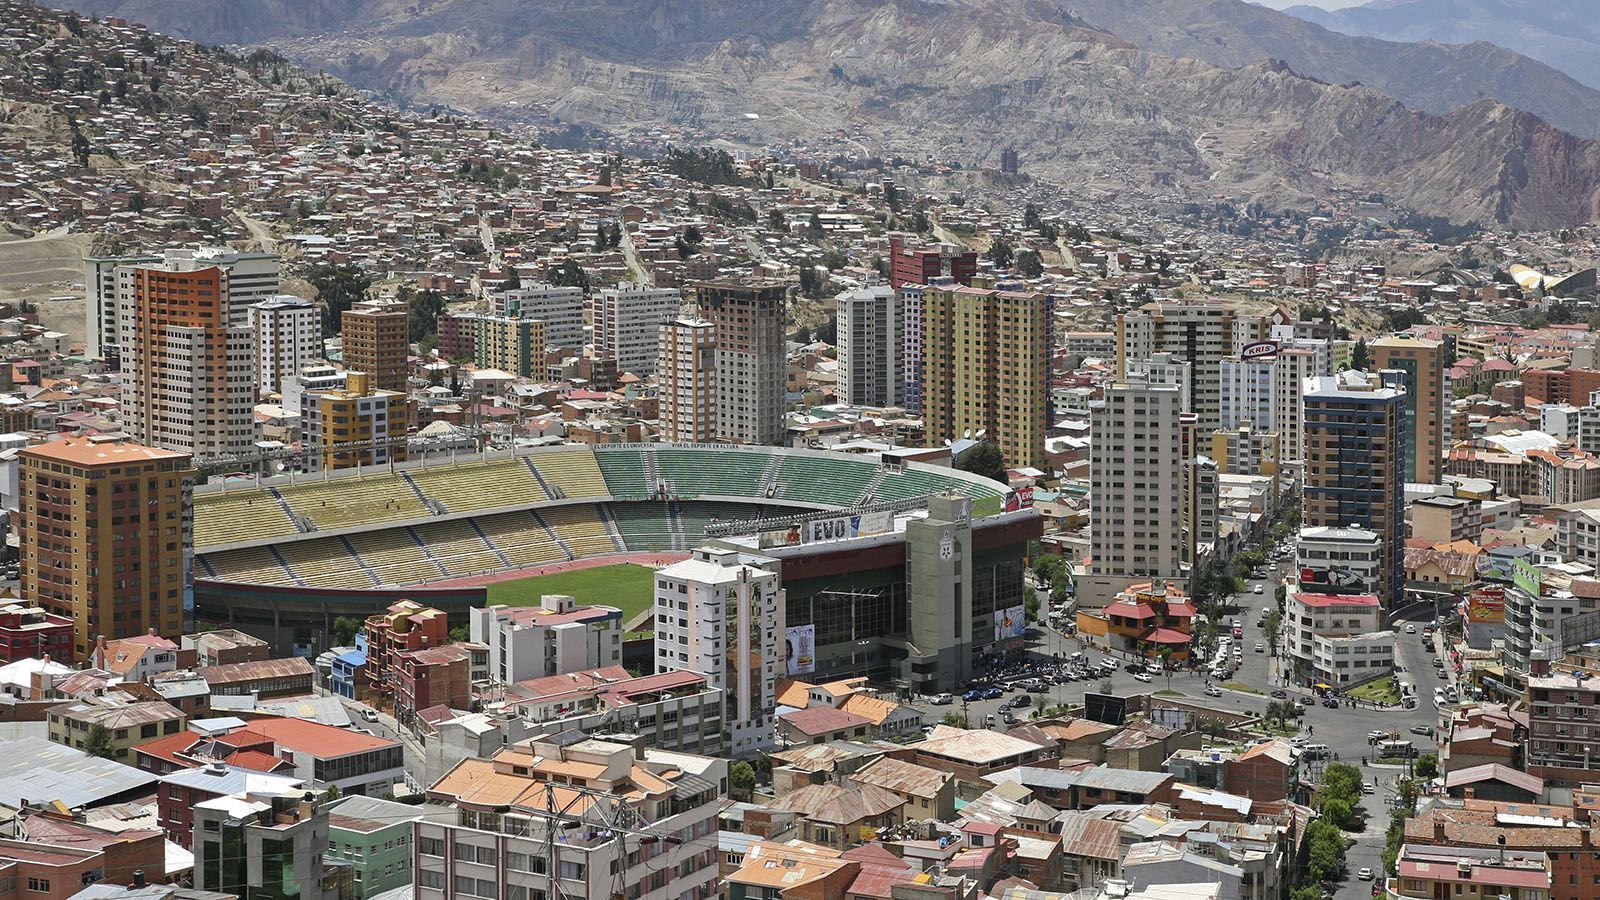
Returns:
(750,358)
(356,425)
(288,337)
(686,376)
(627,323)
(511,345)
(1354,465)
(374,338)
(1137,479)
(102,339)
(103,532)
(921,265)
(559,308)
(1201,331)
(986,361)
(869,344)
(722,615)
(188,360)
(911,346)
(252,277)
(1263,391)
(1422,362)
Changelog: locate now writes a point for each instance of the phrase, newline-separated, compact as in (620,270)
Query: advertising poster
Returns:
(1010,623)
(802,649)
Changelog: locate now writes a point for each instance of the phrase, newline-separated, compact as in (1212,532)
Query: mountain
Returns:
(1430,76)
(959,80)
(1562,33)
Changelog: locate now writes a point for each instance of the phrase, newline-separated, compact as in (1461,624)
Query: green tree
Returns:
(98,742)
(1337,812)
(1047,567)
(775,221)
(1028,264)
(1428,766)
(1360,357)
(1274,624)
(570,274)
(1341,781)
(999,253)
(344,630)
(984,459)
(1030,217)
(460,633)
(955,720)
(741,781)
(339,287)
(422,312)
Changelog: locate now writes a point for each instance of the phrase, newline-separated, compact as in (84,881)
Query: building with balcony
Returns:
(554,638)
(578,817)
(1154,620)
(268,845)
(1336,638)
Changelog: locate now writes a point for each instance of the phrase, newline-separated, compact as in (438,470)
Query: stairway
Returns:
(552,532)
(351,549)
(417,539)
(871,490)
(769,481)
(286,567)
(611,526)
(550,490)
(498,553)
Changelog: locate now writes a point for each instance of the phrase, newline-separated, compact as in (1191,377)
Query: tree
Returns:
(1028,264)
(1360,358)
(460,634)
(1047,567)
(984,459)
(775,221)
(1030,216)
(570,274)
(955,720)
(999,253)
(741,781)
(422,313)
(338,288)
(98,743)
(332,793)
(1337,812)
(1428,766)
(1274,624)
(1341,781)
(344,630)
(815,224)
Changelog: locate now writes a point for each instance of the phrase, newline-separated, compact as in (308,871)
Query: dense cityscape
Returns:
(406,504)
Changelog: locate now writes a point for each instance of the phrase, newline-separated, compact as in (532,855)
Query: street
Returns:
(1344,729)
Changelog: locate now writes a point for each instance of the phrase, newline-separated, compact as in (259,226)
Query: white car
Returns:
(941,699)
(369,714)
(1411,629)
(1256,590)
(1213,692)
(1364,873)
(1143,676)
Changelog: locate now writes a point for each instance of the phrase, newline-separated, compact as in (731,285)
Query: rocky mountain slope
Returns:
(960,80)
(1562,33)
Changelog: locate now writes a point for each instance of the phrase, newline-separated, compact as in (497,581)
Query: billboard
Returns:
(1334,580)
(828,528)
(1260,350)
(1010,623)
(1486,605)
(1105,708)
(782,537)
(1021,498)
(801,645)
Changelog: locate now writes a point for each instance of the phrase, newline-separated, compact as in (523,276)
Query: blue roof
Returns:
(354,658)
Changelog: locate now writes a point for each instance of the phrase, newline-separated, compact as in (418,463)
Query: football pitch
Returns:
(626,586)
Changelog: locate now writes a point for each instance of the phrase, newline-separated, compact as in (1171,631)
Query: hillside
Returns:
(961,81)
(1564,34)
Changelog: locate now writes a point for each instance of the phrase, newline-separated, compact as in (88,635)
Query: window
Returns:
(39,885)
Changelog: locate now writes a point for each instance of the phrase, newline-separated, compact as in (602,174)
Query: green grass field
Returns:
(626,586)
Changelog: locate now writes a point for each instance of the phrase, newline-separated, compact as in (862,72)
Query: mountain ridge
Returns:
(961,81)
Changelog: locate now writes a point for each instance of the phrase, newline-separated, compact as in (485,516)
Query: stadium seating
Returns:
(394,557)
(693,473)
(343,502)
(910,483)
(521,538)
(580,528)
(644,526)
(461,549)
(624,473)
(240,515)
(491,485)
(249,565)
(694,517)
(834,481)
(575,472)
(324,562)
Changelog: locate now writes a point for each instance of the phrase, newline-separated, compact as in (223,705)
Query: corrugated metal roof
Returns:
(38,771)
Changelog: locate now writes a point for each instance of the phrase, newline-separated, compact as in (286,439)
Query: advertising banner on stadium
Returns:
(835,528)
(783,537)
(1010,623)
(1021,498)
(801,643)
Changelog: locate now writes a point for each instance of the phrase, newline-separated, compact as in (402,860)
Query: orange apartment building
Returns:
(373,339)
(103,533)
(405,626)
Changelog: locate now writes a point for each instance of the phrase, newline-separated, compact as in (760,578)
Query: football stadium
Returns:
(282,557)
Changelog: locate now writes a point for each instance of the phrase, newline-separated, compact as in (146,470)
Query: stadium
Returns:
(282,557)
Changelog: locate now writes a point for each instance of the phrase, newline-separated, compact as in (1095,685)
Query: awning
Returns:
(1323,687)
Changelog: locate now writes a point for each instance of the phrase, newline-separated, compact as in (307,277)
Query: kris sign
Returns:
(1260,350)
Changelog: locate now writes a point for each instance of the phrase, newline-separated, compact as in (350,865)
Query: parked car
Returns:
(1037,686)
(1423,730)
(1020,701)
(992,693)
(974,694)
(1364,873)
(1411,629)
(941,700)
(1142,676)
(1256,590)
(1280,694)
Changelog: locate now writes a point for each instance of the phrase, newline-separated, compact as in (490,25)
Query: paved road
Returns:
(1343,729)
